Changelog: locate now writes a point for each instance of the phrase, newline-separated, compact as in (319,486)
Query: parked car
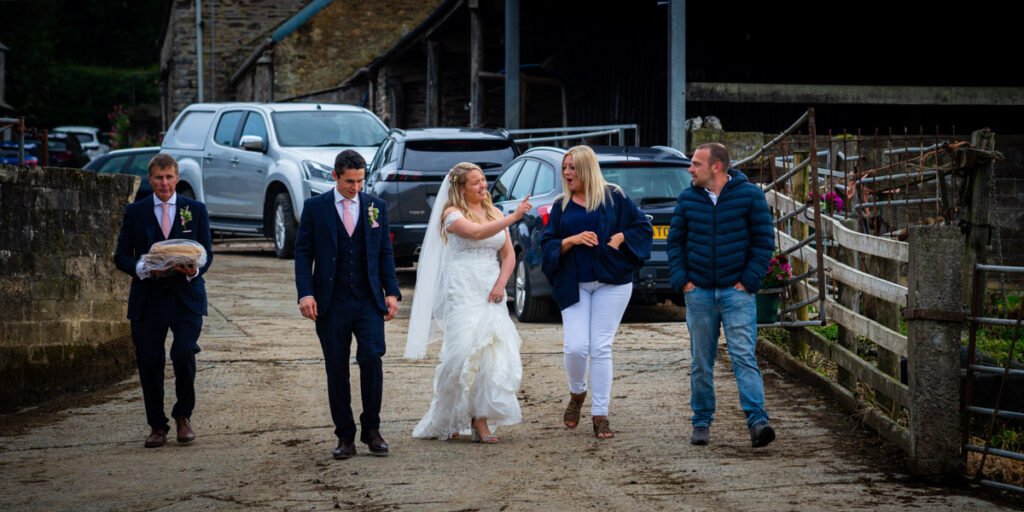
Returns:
(66,151)
(652,177)
(254,164)
(63,151)
(409,168)
(9,154)
(90,137)
(134,161)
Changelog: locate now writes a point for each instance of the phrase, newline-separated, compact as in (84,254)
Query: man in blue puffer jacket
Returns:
(719,245)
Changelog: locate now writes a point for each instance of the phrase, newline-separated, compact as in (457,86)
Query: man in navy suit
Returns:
(345,276)
(173,300)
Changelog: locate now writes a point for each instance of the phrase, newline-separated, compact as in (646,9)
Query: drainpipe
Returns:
(199,46)
(278,35)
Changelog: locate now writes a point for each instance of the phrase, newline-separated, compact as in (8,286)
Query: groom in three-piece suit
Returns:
(345,276)
(173,300)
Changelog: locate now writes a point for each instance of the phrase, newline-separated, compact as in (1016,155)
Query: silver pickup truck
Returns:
(254,164)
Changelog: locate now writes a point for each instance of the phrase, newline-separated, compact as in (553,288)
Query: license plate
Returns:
(660,232)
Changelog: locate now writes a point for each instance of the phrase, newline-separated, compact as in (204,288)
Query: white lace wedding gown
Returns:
(480,369)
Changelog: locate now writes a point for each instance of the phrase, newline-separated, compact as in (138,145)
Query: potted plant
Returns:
(779,274)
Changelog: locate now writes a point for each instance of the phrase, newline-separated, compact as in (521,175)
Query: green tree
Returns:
(71,61)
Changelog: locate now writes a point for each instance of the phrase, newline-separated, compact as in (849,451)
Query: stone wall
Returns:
(231,32)
(62,301)
(310,63)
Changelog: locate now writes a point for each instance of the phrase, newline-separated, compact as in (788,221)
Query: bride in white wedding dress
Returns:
(460,293)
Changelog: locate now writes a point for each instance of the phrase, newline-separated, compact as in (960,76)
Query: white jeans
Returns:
(588,332)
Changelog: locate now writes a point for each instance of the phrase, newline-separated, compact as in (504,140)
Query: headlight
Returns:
(316,171)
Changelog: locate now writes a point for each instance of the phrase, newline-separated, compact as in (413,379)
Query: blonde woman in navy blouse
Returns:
(595,238)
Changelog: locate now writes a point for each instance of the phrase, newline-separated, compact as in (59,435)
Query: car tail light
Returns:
(392,235)
(397,175)
(545,213)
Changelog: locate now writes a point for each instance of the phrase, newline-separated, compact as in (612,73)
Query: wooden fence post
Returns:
(887,314)
(935,317)
(979,236)
(798,230)
(848,297)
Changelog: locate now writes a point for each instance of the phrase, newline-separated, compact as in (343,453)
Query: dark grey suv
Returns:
(410,165)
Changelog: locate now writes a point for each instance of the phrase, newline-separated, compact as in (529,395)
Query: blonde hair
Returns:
(589,174)
(459,176)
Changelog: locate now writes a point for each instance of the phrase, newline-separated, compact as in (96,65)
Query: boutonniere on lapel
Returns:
(373,214)
(185,215)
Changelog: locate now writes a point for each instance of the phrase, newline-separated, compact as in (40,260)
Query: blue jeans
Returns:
(736,310)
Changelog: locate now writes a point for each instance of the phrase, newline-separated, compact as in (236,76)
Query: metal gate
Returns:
(992,417)
(798,227)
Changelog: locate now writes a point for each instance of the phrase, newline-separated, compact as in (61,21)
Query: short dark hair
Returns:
(163,161)
(348,159)
(718,153)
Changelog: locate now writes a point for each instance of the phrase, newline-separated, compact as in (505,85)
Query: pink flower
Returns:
(832,202)
(779,271)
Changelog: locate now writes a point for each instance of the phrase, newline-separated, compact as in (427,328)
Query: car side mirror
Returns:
(252,143)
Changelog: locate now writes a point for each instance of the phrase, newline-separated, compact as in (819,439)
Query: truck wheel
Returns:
(284,226)
(528,308)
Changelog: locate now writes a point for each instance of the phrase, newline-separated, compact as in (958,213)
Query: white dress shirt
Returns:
(171,210)
(714,196)
(354,207)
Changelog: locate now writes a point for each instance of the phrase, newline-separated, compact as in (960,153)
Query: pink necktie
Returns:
(346,216)
(165,220)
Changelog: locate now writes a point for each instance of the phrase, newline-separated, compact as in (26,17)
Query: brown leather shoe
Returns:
(157,438)
(345,450)
(377,445)
(185,433)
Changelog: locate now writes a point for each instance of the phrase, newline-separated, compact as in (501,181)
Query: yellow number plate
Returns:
(660,232)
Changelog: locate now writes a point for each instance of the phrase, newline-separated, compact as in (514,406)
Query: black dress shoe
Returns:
(378,446)
(700,436)
(345,450)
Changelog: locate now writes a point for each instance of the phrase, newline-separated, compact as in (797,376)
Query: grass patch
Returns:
(994,342)
(829,332)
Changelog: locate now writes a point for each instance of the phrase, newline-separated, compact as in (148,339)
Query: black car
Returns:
(653,177)
(134,161)
(408,169)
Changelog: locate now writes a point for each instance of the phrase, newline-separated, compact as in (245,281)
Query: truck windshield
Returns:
(318,128)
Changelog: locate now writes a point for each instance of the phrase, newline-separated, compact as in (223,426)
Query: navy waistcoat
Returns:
(350,271)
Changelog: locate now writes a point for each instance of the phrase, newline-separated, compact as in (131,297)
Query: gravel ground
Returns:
(265,435)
